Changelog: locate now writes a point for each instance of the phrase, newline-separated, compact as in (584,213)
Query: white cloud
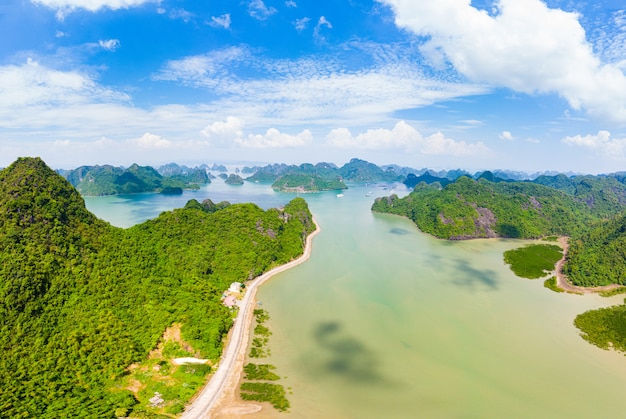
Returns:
(109,44)
(291,3)
(230,132)
(149,141)
(273,138)
(525,46)
(64,7)
(222,21)
(321,23)
(259,10)
(406,138)
(614,148)
(310,90)
(181,14)
(221,133)
(33,85)
(301,24)
(506,135)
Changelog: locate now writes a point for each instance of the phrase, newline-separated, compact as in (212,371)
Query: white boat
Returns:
(339,195)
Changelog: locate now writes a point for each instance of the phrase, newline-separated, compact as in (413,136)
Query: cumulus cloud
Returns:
(404,137)
(291,3)
(222,21)
(151,141)
(109,44)
(273,138)
(602,142)
(224,132)
(506,135)
(64,7)
(524,45)
(230,132)
(259,10)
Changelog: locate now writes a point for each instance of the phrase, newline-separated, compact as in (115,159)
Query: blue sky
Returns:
(510,84)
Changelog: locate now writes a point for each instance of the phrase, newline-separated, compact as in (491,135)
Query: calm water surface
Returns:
(386,322)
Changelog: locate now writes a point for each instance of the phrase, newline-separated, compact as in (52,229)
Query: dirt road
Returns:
(226,377)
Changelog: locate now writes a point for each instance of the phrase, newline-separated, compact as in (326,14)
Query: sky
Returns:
(523,85)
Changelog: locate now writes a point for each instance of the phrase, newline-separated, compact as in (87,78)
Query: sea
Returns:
(384,321)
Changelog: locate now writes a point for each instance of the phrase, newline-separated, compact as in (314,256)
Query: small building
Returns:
(230,301)
(235,287)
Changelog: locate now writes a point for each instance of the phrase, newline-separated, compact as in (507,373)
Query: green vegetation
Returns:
(471,209)
(550,283)
(260,372)
(82,301)
(175,384)
(533,261)
(604,195)
(605,327)
(320,177)
(266,392)
(301,182)
(360,171)
(598,256)
(233,179)
(258,347)
(109,180)
(254,388)
(615,291)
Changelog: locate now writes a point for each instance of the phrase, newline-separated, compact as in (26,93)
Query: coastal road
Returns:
(227,374)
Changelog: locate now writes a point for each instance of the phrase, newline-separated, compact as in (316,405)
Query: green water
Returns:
(386,322)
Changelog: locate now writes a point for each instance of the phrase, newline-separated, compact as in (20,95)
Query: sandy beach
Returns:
(218,399)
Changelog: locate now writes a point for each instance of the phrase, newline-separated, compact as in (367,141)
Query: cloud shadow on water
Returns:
(399,231)
(474,279)
(344,356)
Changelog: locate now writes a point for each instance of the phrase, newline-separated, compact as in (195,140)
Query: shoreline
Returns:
(218,395)
(565,285)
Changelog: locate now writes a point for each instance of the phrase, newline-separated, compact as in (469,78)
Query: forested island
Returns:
(83,303)
(110,180)
(321,176)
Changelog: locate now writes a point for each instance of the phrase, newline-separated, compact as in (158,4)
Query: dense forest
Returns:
(598,256)
(468,208)
(110,180)
(80,300)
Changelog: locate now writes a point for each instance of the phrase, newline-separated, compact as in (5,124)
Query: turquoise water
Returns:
(386,322)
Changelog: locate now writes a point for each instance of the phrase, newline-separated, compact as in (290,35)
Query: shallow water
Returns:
(384,321)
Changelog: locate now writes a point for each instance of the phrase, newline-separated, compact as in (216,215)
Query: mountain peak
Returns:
(31,192)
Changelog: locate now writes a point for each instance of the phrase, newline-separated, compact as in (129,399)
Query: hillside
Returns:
(469,209)
(604,195)
(80,300)
(110,180)
(598,257)
(321,176)
(301,182)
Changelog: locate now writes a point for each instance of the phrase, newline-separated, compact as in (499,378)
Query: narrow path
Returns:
(565,285)
(226,377)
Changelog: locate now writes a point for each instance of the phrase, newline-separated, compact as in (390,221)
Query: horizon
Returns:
(532,86)
(250,164)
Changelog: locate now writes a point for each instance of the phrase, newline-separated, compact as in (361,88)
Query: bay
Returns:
(384,321)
